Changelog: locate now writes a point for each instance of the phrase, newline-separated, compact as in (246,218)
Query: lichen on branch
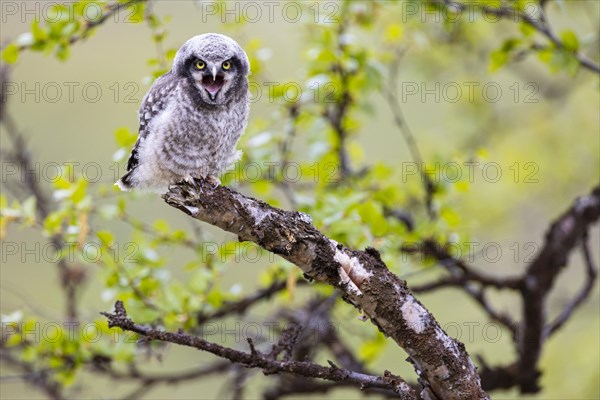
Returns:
(444,366)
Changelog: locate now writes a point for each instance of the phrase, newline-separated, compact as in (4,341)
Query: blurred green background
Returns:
(559,134)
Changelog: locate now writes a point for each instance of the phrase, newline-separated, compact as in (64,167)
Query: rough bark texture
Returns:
(443,364)
(569,230)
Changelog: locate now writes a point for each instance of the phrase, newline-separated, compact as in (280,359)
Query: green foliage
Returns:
(62,26)
(301,137)
(10,53)
(371,349)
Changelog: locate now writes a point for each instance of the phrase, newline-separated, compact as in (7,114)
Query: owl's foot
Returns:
(214,181)
(189,179)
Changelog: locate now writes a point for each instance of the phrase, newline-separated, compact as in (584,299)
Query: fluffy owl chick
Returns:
(192,116)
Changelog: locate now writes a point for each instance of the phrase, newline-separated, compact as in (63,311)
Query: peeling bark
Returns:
(444,366)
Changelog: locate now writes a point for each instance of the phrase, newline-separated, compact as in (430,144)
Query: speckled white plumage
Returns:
(187,130)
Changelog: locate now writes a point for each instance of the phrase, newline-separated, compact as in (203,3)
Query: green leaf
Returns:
(450,216)
(170,54)
(53,223)
(501,56)
(38,33)
(10,54)
(559,60)
(80,191)
(124,137)
(29,354)
(394,33)
(62,52)
(122,204)
(215,298)
(106,238)
(161,226)
(374,217)
(371,349)
(569,40)
(527,30)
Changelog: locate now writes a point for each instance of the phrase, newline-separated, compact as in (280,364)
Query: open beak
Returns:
(213,82)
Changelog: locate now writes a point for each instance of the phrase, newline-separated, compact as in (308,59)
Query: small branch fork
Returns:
(267,362)
(364,280)
(566,233)
(539,23)
(110,11)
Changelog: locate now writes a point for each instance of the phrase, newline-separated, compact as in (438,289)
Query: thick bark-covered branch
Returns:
(363,278)
(533,285)
(590,281)
(564,235)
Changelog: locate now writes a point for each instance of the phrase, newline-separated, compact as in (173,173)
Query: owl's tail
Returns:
(125,183)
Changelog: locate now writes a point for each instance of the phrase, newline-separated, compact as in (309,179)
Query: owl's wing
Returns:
(154,102)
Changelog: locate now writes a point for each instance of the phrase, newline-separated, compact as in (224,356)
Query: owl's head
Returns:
(215,65)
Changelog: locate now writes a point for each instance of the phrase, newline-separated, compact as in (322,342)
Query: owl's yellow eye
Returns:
(200,64)
(226,65)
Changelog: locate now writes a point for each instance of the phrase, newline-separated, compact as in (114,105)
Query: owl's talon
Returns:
(214,181)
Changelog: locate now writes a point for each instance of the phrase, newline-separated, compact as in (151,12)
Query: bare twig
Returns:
(38,378)
(255,359)
(391,97)
(240,306)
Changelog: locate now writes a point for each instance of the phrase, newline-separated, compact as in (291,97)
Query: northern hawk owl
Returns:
(192,116)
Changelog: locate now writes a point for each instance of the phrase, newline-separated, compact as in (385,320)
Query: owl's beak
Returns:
(212,83)
(214,72)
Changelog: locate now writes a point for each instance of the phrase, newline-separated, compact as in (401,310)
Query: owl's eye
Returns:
(226,65)
(200,64)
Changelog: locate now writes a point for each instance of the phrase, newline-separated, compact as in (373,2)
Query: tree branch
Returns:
(240,306)
(88,26)
(390,89)
(361,276)
(540,24)
(71,275)
(590,280)
(255,359)
(564,234)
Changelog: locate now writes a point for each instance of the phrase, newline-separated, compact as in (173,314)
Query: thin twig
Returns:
(254,359)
